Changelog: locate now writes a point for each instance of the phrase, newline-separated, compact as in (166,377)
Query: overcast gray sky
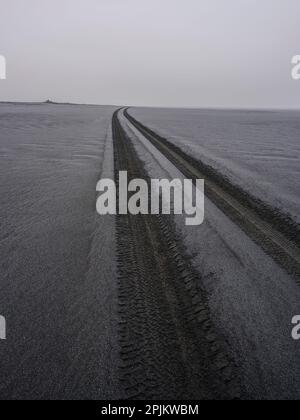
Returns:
(198,53)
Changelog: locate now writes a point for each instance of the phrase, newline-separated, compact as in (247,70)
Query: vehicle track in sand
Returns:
(170,348)
(275,232)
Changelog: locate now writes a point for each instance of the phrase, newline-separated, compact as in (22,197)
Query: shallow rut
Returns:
(169,347)
(276,233)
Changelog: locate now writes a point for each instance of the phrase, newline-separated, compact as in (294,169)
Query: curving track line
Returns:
(276,233)
(170,348)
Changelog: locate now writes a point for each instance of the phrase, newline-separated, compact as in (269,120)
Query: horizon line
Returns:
(209,108)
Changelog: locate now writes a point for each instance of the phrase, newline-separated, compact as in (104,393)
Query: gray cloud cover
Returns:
(198,53)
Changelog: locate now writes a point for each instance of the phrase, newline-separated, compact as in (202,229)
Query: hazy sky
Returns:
(198,53)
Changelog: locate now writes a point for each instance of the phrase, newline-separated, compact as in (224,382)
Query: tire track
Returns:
(276,233)
(169,347)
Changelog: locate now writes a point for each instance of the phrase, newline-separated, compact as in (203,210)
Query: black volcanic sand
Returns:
(51,159)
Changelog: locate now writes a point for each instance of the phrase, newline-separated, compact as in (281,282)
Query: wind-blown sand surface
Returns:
(78,295)
(51,292)
(259,150)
